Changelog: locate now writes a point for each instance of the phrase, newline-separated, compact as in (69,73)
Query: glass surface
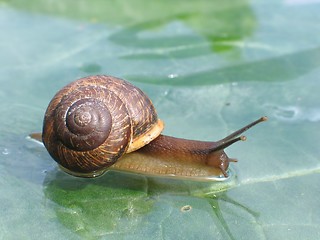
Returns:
(209,67)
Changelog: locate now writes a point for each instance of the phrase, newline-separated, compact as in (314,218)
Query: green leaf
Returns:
(209,67)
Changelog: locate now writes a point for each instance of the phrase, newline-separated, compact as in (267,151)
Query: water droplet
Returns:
(173,75)
(5,151)
(186,208)
(295,113)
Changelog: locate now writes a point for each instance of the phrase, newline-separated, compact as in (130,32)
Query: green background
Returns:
(209,67)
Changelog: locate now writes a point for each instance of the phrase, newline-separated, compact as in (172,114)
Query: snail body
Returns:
(176,157)
(102,123)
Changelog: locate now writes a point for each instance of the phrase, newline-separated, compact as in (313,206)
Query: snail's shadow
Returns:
(98,206)
(122,181)
(113,180)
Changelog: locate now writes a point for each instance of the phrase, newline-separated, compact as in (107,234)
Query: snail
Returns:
(101,123)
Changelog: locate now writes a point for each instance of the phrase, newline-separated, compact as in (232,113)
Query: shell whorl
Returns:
(93,121)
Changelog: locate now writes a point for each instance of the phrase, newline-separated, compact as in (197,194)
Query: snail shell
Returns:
(93,121)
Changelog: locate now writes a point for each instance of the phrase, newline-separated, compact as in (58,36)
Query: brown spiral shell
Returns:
(93,121)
